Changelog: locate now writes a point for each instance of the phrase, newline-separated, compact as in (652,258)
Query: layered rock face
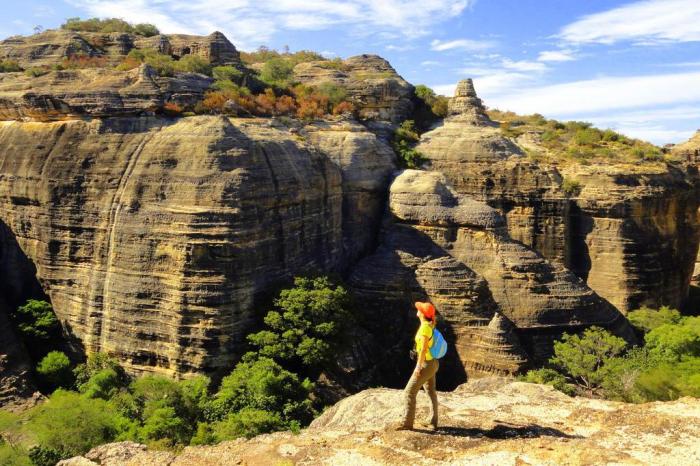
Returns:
(489,421)
(372,85)
(629,236)
(52,47)
(500,302)
(61,95)
(154,237)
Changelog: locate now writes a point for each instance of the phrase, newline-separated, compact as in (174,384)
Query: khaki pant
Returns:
(426,379)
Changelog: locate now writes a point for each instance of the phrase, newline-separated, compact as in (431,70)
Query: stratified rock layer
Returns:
(153,237)
(629,236)
(372,84)
(492,292)
(490,421)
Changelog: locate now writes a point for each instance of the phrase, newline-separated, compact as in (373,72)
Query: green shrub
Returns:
(551,377)
(227,73)
(73,424)
(43,456)
(277,72)
(248,423)
(11,455)
(36,321)
(264,385)
(109,25)
(335,94)
(164,424)
(405,137)
(646,319)
(204,435)
(306,325)
(673,342)
(9,66)
(587,137)
(55,370)
(103,384)
(193,64)
(571,187)
(582,358)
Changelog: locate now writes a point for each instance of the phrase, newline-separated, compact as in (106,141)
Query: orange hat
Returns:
(427,309)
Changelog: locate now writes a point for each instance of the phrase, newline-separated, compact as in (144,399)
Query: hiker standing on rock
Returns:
(425,371)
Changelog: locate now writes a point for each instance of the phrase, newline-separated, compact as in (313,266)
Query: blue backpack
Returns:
(439,346)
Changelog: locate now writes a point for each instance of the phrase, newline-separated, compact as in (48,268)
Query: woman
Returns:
(424,373)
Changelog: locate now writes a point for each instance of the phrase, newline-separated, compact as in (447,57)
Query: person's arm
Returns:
(421,355)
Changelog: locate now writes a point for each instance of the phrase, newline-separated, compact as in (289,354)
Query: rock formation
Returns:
(490,421)
(492,293)
(61,95)
(629,236)
(153,237)
(371,82)
(52,47)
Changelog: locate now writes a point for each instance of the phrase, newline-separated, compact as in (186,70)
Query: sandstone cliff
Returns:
(491,421)
(501,303)
(52,47)
(371,82)
(628,235)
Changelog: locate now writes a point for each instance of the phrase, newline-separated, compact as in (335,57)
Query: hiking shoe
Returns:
(400,426)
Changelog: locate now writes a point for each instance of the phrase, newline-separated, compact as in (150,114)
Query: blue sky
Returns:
(630,65)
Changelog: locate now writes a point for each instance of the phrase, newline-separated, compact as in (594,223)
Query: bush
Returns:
(551,377)
(162,64)
(9,66)
(11,455)
(582,358)
(587,137)
(43,456)
(109,25)
(75,62)
(646,319)
(571,187)
(193,64)
(343,107)
(227,73)
(306,325)
(263,385)
(95,363)
(103,384)
(37,326)
(675,341)
(172,109)
(404,139)
(55,370)
(248,423)
(72,424)
(277,72)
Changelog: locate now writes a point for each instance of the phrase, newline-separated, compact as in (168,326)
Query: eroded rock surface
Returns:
(372,84)
(153,237)
(99,92)
(628,235)
(490,421)
(500,302)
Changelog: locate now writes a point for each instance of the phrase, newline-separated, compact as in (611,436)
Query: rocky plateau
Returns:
(484,422)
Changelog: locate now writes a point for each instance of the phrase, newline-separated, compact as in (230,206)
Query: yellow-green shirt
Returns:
(426,330)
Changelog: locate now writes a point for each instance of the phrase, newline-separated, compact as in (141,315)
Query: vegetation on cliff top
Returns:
(107,25)
(269,389)
(576,142)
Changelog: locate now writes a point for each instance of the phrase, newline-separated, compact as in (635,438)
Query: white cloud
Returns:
(605,94)
(523,65)
(644,22)
(556,55)
(249,23)
(461,44)
(429,63)
(399,48)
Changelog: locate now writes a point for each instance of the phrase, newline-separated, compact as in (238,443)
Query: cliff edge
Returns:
(489,421)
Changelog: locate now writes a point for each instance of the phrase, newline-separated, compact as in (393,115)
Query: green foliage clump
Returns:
(405,138)
(264,54)
(165,65)
(55,370)
(582,358)
(227,73)
(278,72)
(429,107)
(571,187)
(308,321)
(109,25)
(248,423)
(193,64)
(16,456)
(9,66)
(665,368)
(72,424)
(37,326)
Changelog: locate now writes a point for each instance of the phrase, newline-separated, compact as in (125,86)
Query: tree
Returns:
(55,370)
(95,363)
(103,384)
(306,325)
(263,385)
(37,324)
(583,357)
(675,342)
(248,423)
(277,72)
(72,424)
(646,319)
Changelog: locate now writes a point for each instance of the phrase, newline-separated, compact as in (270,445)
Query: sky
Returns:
(633,66)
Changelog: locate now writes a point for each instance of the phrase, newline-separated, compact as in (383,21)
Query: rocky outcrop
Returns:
(366,164)
(61,95)
(500,303)
(688,150)
(490,421)
(154,237)
(372,84)
(620,234)
(53,47)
